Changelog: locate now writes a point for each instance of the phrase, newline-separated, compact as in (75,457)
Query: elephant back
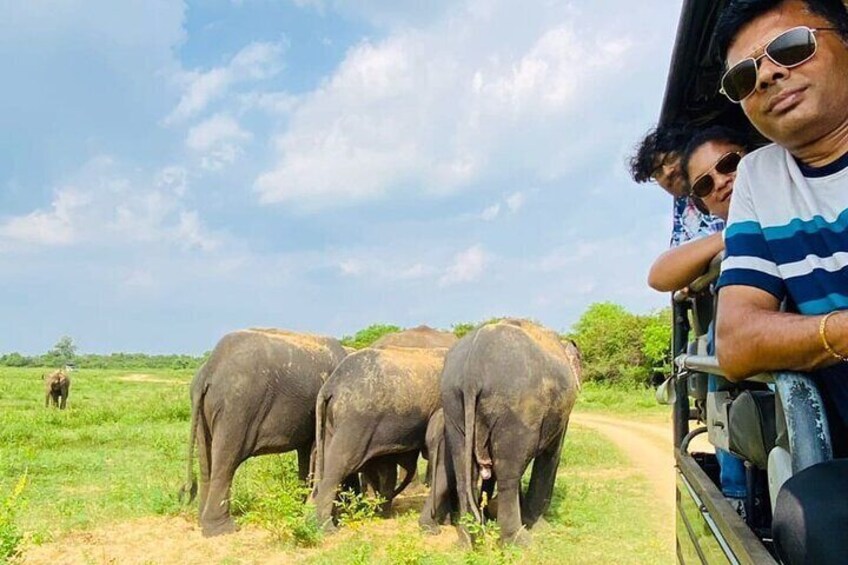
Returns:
(393,379)
(547,340)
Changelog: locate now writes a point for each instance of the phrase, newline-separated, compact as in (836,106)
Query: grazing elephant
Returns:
(372,414)
(56,387)
(254,395)
(507,391)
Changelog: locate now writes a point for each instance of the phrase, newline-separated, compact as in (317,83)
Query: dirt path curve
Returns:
(648,447)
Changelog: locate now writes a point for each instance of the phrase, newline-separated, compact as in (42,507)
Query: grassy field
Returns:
(118,453)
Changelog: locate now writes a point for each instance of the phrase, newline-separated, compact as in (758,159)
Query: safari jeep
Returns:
(775,422)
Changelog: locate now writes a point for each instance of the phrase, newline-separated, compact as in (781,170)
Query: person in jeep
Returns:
(787,234)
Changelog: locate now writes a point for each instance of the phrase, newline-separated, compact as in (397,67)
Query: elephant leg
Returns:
(409,463)
(386,471)
(541,488)
(63,402)
(216,519)
(437,505)
(488,489)
(369,479)
(303,462)
(343,456)
(509,512)
(353,484)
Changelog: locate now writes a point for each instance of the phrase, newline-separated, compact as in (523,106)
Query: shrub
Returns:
(10,534)
(365,337)
(620,347)
(270,495)
(354,509)
(463,328)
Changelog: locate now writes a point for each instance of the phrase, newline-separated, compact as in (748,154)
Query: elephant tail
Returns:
(434,474)
(189,490)
(320,432)
(468,455)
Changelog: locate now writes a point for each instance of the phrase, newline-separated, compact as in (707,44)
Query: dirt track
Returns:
(647,445)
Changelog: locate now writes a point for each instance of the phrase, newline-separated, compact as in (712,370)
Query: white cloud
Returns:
(192,234)
(274,103)
(55,226)
(173,178)
(218,140)
(443,108)
(385,269)
(468,266)
(490,212)
(255,62)
(104,205)
(515,201)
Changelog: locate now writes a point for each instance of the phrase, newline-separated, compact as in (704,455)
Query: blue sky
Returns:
(171,171)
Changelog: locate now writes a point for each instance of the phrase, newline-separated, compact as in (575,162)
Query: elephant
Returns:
(439,503)
(371,416)
(57,385)
(507,392)
(255,395)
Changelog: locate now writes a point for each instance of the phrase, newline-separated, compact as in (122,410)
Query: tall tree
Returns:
(65,350)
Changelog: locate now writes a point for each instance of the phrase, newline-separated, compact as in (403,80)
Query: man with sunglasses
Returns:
(657,158)
(787,234)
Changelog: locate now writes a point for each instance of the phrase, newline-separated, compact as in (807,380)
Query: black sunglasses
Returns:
(789,49)
(704,184)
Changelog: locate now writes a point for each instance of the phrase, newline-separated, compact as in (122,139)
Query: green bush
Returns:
(354,509)
(620,347)
(463,328)
(365,337)
(10,534)
(269,494)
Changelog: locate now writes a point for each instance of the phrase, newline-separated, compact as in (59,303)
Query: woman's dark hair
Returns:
(721,134)
(739,12)
(658,141)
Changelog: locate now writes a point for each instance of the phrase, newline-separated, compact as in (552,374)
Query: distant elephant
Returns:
(254,395)
(56,387)
(507,391)
(372,414)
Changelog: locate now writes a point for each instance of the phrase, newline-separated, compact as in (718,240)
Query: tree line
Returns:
(619,347)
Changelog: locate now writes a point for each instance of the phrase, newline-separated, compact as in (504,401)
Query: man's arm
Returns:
(679,266)
(752,336)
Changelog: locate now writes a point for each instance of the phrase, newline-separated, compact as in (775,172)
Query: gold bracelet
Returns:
(823,335)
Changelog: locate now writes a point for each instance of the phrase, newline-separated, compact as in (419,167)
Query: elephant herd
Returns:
(479,409)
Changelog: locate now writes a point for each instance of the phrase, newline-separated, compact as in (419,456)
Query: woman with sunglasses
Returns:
(708,164)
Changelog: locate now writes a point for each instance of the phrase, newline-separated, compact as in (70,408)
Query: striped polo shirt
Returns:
(787,230)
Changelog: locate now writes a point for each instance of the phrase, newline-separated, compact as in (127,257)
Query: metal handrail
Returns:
(699,363)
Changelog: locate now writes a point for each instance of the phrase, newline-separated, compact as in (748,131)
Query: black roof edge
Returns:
(673,93)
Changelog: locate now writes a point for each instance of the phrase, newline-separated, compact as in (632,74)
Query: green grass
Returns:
(640,401)
(118,453)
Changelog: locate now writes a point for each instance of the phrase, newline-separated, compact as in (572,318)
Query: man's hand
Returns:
(752,336)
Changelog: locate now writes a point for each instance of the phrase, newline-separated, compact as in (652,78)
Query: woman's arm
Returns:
(679,266)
